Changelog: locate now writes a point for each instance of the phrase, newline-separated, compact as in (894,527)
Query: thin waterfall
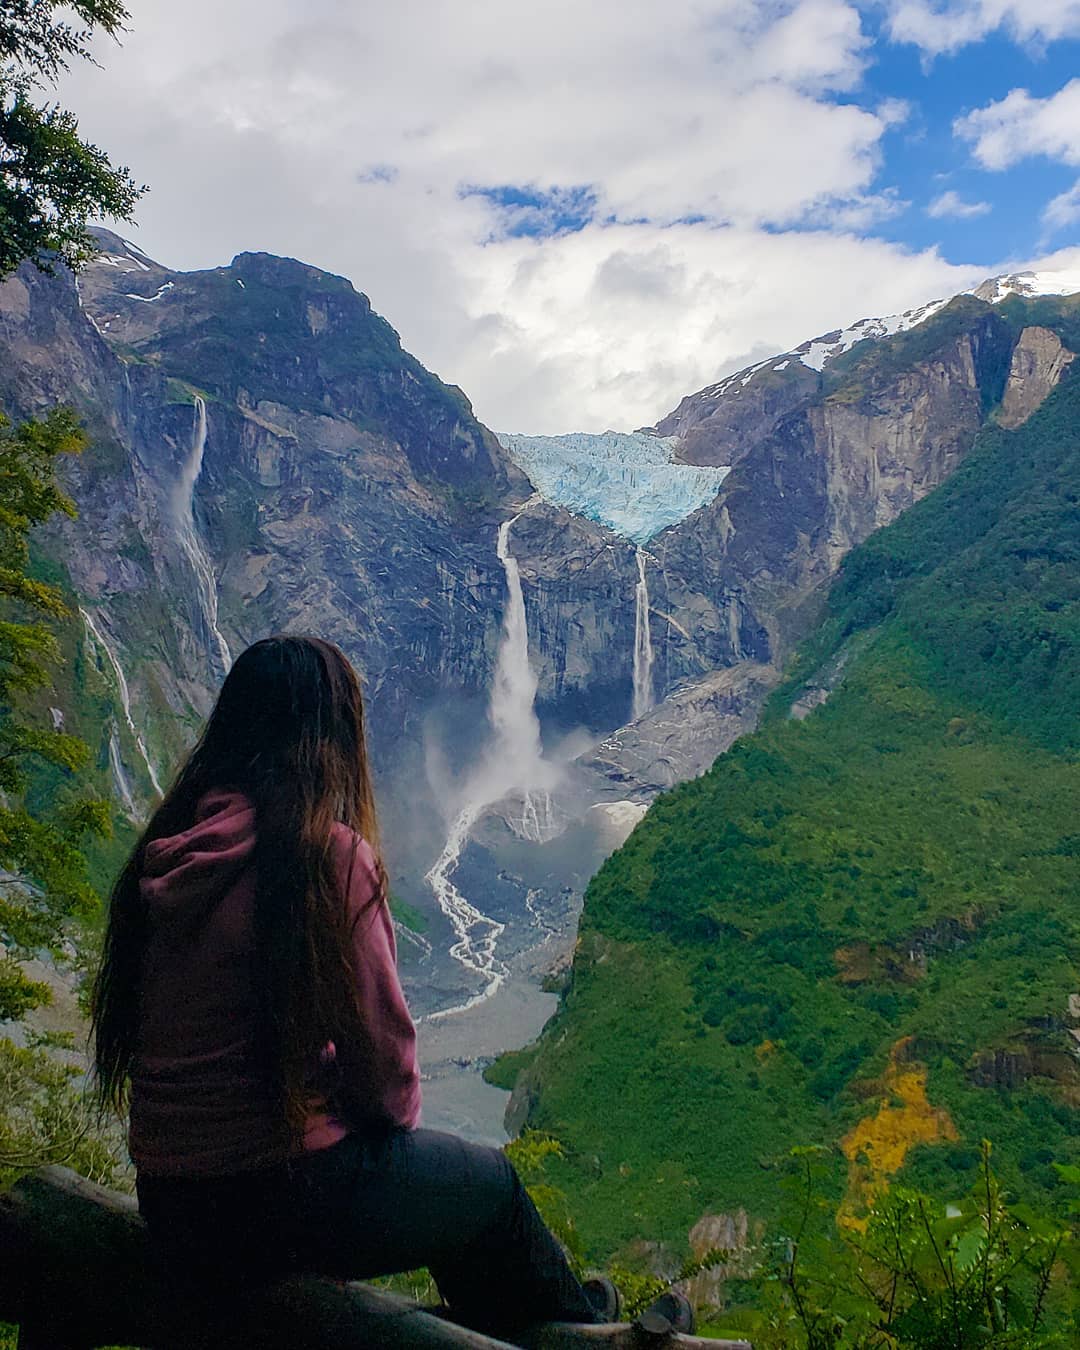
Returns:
(102,643)
(120,778)
(514,762)
(183,511)
(643,652)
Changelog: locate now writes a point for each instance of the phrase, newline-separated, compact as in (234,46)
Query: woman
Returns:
(248,1009)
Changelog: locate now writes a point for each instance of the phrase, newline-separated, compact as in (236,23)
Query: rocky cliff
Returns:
(857,932)
(266,456)
(821,458)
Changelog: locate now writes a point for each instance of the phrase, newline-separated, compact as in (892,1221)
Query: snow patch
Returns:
(819,352)
(149,299)
(996,289)
(123,261)
(628,481)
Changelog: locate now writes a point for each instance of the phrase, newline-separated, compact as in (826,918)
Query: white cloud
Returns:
(1063,210)
(951,206)
(894,112)
(1019,126)
(862,213)
(938,28)
(345,135)
(611,326)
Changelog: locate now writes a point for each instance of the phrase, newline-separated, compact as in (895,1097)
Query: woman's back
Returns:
(200,1106)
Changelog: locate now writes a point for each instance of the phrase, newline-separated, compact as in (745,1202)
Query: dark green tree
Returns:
(44,1114)
(52,181)
(43,878)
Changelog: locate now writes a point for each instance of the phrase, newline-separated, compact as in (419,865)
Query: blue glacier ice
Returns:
(628,481)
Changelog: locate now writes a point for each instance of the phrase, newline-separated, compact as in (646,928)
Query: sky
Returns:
(581,210)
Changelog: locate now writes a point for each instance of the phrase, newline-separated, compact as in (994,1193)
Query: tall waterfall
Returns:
(102,643)
(643,652)
(205,582)
(514,763)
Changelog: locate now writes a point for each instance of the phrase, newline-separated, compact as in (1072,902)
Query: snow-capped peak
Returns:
(820,351)
(817,353)
(996,289)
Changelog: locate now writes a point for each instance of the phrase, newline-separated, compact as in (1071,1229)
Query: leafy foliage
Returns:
(52,182)
(530,1154)
(45,1117)
(899,870)
(44,878)
(980,1272)
(43,870)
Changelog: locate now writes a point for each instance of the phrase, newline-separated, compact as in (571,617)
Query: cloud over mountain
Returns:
(575,212)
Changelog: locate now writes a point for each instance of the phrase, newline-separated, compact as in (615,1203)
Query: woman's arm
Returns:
(382,1077)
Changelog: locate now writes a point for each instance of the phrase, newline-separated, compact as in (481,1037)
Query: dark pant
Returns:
(373,1205)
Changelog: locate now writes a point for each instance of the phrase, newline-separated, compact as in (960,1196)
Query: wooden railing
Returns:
(76,1273)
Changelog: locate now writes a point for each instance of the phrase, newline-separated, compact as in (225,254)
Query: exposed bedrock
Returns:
(345,490)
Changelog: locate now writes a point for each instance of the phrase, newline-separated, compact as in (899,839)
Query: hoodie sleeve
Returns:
(385,1077)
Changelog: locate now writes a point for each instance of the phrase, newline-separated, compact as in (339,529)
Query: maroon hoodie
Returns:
(198,1106)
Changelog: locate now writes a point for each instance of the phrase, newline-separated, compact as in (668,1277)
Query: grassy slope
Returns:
(905,863)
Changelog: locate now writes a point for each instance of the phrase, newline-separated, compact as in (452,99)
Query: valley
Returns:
(554,634)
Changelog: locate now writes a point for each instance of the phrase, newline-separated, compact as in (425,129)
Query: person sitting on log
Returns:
(248,1013)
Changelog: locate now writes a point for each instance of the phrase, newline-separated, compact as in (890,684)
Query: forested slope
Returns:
(860,928)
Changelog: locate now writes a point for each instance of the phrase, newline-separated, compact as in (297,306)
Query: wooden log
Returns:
(76,1273)
(620,1336)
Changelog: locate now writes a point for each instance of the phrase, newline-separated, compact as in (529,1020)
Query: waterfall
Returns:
(643,652)
(120,778)
(734,627)
(517,728)
(99,640)
(514,762)
(183,511)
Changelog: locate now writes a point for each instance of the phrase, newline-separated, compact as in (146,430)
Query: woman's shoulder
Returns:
(355,858)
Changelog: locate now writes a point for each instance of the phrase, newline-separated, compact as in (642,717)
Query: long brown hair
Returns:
(288,730)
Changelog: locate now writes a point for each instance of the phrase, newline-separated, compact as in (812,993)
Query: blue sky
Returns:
(924,157)
(581,212)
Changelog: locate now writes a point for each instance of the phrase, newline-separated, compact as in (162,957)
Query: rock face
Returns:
(829,457)
(681,738)
(1038,362)
(265,456)
(341,488)
(723,423)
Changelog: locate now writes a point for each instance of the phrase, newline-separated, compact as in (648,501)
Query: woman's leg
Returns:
(373,1205)
(218,1234)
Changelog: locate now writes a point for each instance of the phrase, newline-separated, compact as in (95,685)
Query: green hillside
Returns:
(861,929)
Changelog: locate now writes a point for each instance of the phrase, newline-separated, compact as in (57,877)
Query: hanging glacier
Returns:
(628,481)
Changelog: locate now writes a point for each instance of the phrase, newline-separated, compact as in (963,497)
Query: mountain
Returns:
(858,929)
(822,448)
(266,456)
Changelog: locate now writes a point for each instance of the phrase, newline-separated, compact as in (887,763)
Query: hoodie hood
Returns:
(186,871)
